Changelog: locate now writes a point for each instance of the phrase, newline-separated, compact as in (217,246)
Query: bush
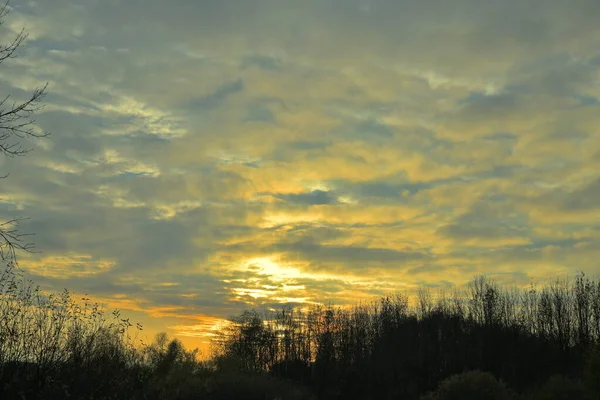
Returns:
(52,346)
(172,371)
(230,379)
(473,385)
(559,387)
(592,372)
(237,386)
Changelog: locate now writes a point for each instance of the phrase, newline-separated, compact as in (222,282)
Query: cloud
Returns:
(216,98)
(315,197)
(262,61)
(343,148)
(583,198)
(485,223)
(63,267)
(350,256)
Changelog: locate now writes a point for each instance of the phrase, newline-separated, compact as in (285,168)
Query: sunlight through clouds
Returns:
(69,265)
(207,157)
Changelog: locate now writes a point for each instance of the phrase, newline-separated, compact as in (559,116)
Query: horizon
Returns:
(207,157)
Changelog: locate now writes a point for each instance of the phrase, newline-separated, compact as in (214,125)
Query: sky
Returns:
(209,156)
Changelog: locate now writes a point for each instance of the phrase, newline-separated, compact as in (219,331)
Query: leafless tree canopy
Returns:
(16,123)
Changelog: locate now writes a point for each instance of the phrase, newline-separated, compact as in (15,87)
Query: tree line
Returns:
(400,347)
(484,342)
(58,346)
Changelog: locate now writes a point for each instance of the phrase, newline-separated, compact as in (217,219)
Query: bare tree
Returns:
(16,123)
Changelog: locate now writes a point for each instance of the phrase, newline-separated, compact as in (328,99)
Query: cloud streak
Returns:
(209,156)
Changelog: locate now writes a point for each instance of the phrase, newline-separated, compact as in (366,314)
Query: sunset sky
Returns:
(209,156)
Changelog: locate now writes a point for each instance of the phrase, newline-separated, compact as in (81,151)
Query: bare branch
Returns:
(16,123)
(12,240)
(8,50)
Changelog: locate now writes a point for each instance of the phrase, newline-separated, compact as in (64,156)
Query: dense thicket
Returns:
(396,348)
(61,347)
(485,341)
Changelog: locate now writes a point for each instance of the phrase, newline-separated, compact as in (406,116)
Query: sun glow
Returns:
(274,269)
(274,279)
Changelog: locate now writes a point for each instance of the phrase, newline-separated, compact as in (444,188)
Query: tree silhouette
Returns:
(473,385)
(559,388)
(51,347)
(397,348)
(16,124)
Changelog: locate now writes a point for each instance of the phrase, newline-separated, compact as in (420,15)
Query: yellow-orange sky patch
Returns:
(344,151)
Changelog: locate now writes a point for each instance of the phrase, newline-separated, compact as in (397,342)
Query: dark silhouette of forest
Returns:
(483,342)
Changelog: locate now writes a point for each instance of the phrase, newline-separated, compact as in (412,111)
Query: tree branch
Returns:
(16,123)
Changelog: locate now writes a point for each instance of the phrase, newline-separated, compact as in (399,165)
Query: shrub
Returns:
(473,385)
(239,386)
(592,372)
(52,346)
(559,387)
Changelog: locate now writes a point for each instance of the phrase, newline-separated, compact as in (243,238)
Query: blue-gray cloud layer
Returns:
(253,151)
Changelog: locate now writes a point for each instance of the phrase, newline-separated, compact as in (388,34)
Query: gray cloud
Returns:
(386,138)
(584,198)
(217,97)
(311,198)
(350,255)
(488,221)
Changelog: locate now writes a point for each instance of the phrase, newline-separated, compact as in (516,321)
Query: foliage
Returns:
(400,348)
(54,346)
(473,385)
(253,387)
(592,372)
(58,346)
(172,371)
(559,387)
